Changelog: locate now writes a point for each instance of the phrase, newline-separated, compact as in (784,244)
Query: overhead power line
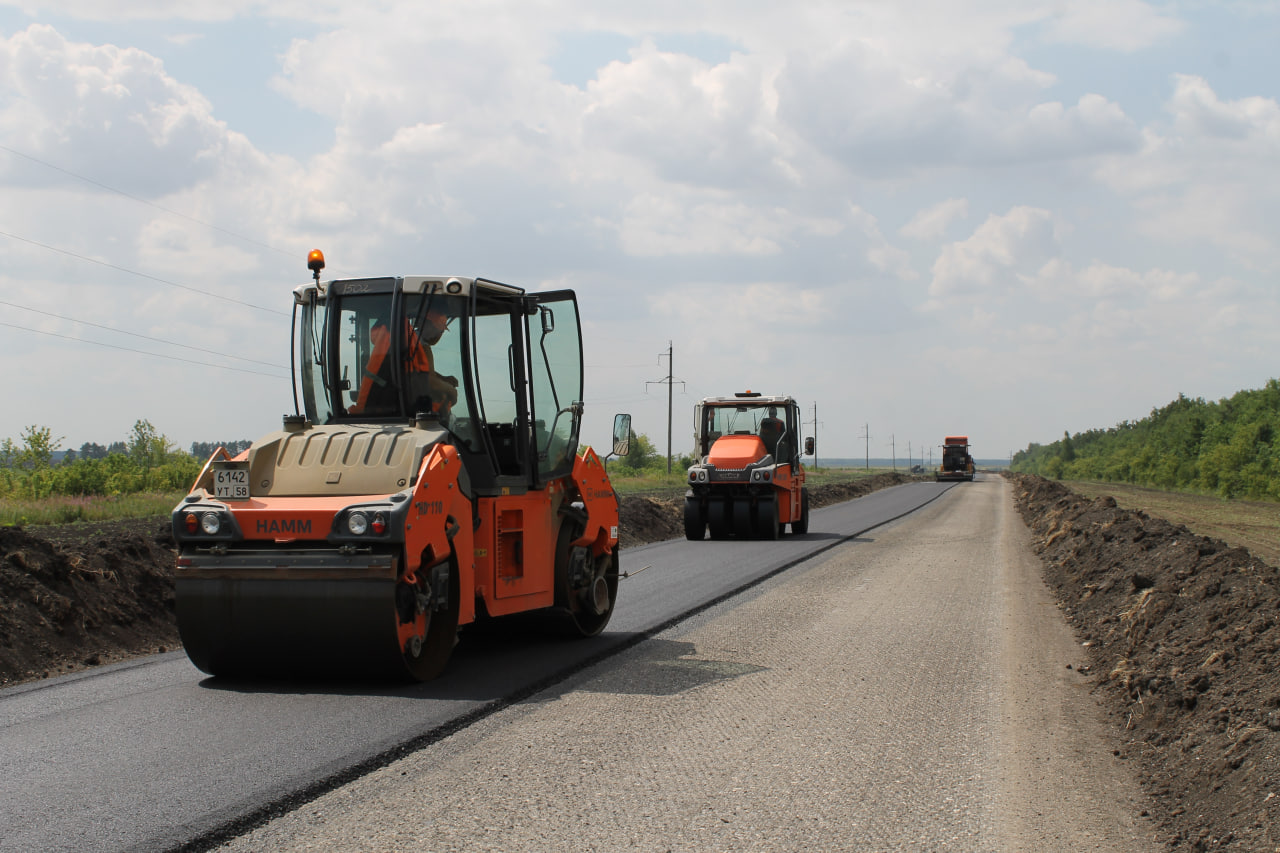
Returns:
(144,337)
(139,352)
(198,290)
(152,204)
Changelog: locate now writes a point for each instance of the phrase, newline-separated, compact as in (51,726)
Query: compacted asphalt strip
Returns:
(153,755)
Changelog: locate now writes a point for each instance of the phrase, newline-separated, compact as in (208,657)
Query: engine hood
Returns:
(347,459)
(736,451)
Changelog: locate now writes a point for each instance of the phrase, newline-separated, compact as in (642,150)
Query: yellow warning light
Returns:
(315,260)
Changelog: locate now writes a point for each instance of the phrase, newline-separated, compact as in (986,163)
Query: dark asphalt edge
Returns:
(295,800)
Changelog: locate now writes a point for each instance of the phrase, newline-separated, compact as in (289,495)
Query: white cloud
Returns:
(1196,180)
(689,122)
(102,110)
(1122,25)
(887,119)
(993,262)
(932,222)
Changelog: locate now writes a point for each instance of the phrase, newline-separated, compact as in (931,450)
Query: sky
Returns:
(1001,219)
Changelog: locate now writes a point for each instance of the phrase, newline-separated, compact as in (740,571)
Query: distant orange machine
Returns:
(748,482)
(957,464)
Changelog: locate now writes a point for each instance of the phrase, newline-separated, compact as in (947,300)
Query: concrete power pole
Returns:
(866,446)
(814,423)
(670,382)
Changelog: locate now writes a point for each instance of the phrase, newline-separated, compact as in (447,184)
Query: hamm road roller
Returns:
(749,482)
(429,476)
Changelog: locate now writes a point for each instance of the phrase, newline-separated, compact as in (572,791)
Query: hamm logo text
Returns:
(285,525)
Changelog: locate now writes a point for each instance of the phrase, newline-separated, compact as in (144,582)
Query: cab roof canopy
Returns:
(748,399)
(437,284)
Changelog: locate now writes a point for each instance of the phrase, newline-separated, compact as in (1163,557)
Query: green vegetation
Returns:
(1230,448)
(65,510)
(144,476)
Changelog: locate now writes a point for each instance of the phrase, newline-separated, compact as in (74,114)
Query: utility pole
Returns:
(670,382)
(910,459)
(814,424)
(894,450)
(866,446)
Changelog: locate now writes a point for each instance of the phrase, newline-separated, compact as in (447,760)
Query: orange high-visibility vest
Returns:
(419,360)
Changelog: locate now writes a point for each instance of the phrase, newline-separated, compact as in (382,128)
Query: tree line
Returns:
(37,467)
(1230,448)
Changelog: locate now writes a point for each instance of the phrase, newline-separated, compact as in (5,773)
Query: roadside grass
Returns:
(659,484)
(66,510)
(1254,525)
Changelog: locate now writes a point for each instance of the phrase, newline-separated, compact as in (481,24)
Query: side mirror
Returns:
(621,435)
(808,445)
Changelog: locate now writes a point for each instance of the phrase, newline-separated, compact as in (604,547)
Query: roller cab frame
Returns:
(956,464)
(749,481)
(429,476)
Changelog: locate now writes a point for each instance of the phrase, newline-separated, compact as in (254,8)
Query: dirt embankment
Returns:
(79,595)
(1182,634)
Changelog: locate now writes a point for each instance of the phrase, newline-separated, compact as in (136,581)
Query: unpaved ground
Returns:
(1183,634)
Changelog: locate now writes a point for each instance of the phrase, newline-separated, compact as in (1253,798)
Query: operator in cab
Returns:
(429,391)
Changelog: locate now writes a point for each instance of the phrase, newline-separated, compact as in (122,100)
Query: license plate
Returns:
(231,483)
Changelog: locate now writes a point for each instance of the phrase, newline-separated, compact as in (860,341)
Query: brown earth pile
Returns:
(1182,634)
(79,595)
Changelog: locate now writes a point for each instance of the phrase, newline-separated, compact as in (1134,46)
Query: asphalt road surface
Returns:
(905,688)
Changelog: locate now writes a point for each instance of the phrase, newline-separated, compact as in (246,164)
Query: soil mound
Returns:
(80,595)
(1182,634)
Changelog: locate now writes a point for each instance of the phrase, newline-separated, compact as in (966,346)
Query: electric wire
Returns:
(140,274)
(124,194)
(140,352)
(144,337)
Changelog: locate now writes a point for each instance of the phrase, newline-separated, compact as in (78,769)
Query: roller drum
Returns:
(287,628)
